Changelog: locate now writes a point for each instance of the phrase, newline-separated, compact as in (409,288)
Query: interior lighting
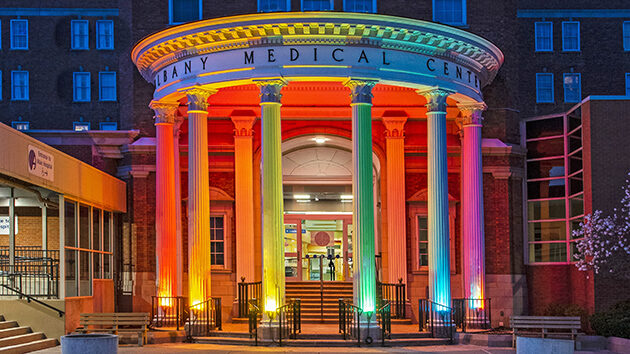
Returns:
(303,200)
(320,140)
(301,196)
(346,196)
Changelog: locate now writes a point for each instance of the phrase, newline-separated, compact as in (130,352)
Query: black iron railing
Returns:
(38,280)
(385,321)
(169,311)
(350,321)
(204,317)
(30,298)
(395,294)
(253,315)
(247,292)
(472,314)
(30,255)
(289,320)
(436,319)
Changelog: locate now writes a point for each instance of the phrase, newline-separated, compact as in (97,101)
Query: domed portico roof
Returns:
(317,46)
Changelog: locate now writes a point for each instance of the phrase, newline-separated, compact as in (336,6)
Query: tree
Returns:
(604,245)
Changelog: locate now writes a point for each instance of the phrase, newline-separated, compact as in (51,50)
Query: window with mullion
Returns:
(544,88)
(217,240)
(626,35)
(19,34)
(572,87)
(359,5)
(423,241)
(627,84)
(450,12)
(81,87)
(80,34)
(19,85)
(571,36)
(543,36)
(317,5)
(273,5)
(184,10)
(107,85)
(105,34)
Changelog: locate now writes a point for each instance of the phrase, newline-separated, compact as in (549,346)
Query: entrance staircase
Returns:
(310,294)
(17,339)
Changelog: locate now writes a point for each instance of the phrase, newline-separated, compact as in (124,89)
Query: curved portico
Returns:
(188,63)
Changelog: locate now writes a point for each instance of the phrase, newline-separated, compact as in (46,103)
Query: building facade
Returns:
(78,84)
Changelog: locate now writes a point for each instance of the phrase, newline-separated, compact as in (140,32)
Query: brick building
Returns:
(68,79)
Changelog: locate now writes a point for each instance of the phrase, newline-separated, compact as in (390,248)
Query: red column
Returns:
(165,213)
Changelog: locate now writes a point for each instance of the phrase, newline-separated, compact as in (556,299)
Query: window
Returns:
(20,125)
(19,34)
(450,12)
(543,36)
(184,10)
(19,85)
(105,34)
(359,5)
(572,87)
(627,84)
(81,87)
(423,241)
(107,86)
(544,88)
(108,126)
(317,5)
(0,85)
(571,36)
(274,5)
(80,35)
(80,126)
(217,241)
(0,36)
(626,35)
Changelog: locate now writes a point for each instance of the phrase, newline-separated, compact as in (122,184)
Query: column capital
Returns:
(436,99)
(198,97)
(243,124)
(394,126)
(471,113)
(165,112)
(270,90)
(360,90)
(177,125)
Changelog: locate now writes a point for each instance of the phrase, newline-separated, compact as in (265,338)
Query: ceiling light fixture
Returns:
(301,196)
(346,196)
(320,140)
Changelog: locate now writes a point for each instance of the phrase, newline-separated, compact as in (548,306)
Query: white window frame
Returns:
(16,123)
(100,23)
(74,45)
(78,124)
(564,86)
(112,124)
(332,6)
(13,47)
(74,86)
(628,84)
(286,10)
(26,97)
(420,208)
(537,88)
(564,48)
(170,12)
(100,86)
(536,46)
(464,21)
(625,29)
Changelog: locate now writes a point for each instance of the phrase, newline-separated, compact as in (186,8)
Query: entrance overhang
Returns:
(317,46)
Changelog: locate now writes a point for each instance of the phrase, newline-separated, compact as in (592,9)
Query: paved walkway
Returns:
(214,348)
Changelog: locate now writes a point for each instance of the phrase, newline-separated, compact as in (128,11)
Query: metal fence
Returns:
(37,280)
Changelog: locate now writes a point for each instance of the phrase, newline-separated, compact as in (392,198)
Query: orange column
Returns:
(244,180)
(396,228)
(165,220)
(178,205)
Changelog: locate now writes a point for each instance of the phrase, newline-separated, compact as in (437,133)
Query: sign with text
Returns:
(4,225)
(41,163)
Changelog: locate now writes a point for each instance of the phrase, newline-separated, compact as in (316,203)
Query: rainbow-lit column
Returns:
(439,258)
(272,200)
(165,219)
(198,196)
(473,244)
(364,269)
(178,205)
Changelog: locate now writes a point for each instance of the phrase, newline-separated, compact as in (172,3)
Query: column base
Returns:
(369,335)
(268,332)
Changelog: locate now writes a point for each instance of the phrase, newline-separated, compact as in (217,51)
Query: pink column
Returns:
(396,228)
(178,204)
(473,246)
(244,180)
(165,216)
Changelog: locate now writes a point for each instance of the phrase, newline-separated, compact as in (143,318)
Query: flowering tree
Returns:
(604,246)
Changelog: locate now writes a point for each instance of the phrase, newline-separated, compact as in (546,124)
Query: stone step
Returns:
(21,339)
(8,324)
(332,340)
(14,331)
(30,346)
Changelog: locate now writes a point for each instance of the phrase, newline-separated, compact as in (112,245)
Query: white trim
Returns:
(76,45)
(170,12)
(464,17)
(536,47)
(537,88)
(564,87)
(564,49)
(74,86)
(100,86)
(26,96)
(98,34)
(13,47)
(331,8)
(345,8)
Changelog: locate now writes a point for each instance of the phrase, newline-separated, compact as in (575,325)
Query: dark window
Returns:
(185,10)
(217,240)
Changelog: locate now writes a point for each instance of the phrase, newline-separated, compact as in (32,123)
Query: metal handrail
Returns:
(385,317)
(202,317)
(292,324)
(30,298)
(253,311)
(430,313)
(350,314)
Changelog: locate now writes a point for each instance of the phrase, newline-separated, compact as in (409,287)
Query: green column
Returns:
(272,200)
(364,269)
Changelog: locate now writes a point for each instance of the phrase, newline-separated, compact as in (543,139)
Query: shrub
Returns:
(568,310)
(614,322)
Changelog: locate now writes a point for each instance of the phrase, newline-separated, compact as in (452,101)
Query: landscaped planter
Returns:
(89,343)
(544,345)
